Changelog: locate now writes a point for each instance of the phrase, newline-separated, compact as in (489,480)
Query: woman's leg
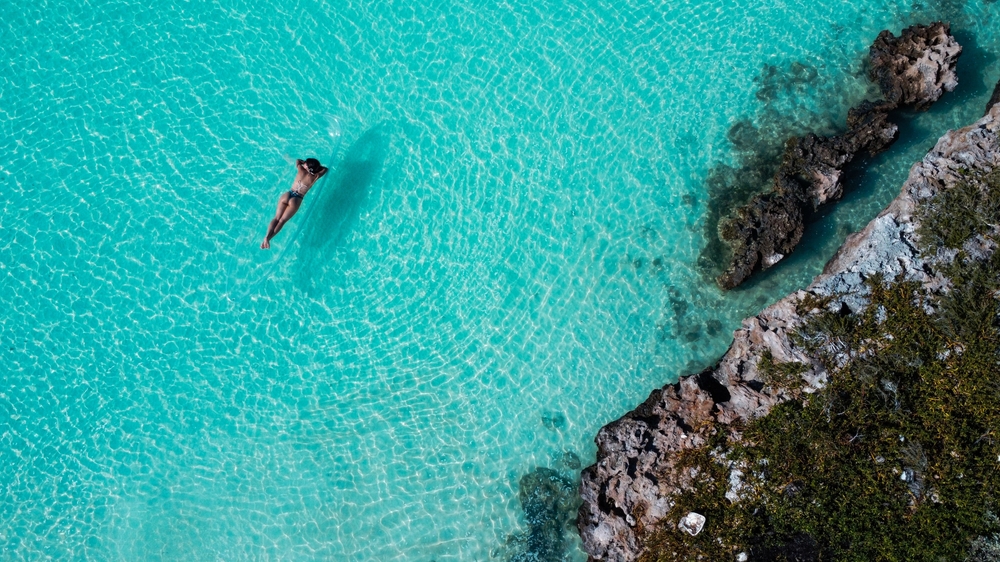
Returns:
(274,227)
(291,207)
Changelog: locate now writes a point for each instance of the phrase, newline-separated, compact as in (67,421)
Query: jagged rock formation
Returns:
(914,69)
(769,227)
(629,489)
(917,67)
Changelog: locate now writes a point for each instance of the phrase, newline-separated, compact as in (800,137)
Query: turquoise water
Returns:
(501,260)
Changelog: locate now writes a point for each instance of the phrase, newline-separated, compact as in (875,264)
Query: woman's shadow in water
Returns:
(338,205)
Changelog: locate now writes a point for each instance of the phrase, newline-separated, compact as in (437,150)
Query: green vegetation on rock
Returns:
(970,208)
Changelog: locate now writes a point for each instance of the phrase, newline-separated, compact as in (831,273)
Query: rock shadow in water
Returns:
(975,67)
(553,421)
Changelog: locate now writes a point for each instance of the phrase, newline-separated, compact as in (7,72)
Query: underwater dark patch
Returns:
(553,420)
(549,500)
(570,460)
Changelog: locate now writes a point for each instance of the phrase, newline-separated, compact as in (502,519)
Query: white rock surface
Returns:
(692,523)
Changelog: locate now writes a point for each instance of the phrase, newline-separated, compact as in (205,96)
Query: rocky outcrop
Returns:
(914,69)
(771,225)
(629,489)
(917,67)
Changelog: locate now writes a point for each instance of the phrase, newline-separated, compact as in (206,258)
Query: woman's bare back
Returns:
(304,180)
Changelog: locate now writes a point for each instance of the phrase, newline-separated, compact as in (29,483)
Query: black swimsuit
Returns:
(294,194)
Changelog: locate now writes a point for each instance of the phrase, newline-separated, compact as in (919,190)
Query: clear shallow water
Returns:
(501,260)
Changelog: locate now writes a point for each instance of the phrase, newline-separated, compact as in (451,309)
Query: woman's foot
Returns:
(265,245)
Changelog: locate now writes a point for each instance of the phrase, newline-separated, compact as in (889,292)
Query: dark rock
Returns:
(869,129)
(917,67)
(761,233)
(771,225)
(913,69)
(811,165)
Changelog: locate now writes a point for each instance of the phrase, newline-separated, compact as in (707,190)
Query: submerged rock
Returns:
(994,99)
(548,500)
(913,69)
(629,490)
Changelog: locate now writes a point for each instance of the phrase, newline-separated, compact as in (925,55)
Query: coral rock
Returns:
(692,523)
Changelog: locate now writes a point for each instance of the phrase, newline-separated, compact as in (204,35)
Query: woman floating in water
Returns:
(309,170)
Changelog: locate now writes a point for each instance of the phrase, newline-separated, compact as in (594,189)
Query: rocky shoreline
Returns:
(912,70)
(627,493)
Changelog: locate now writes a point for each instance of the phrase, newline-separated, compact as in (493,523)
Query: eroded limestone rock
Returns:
(917,67)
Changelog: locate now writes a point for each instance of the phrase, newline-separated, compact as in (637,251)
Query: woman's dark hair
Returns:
(313,165)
